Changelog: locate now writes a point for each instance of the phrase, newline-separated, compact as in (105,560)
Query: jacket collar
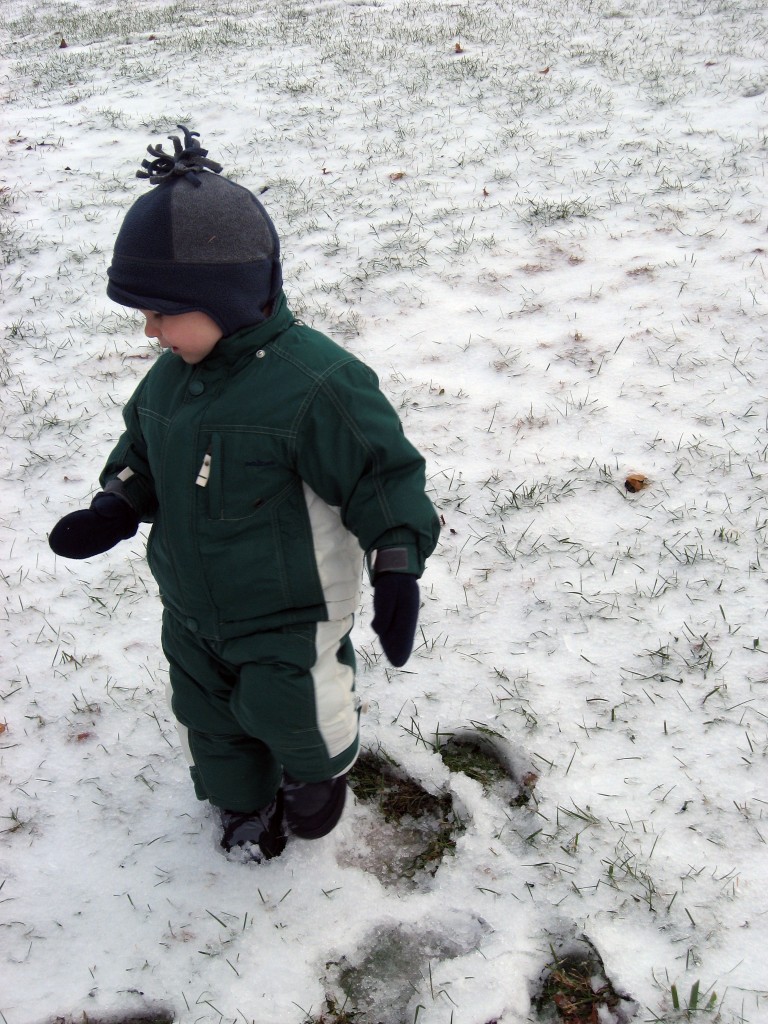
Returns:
(243,344)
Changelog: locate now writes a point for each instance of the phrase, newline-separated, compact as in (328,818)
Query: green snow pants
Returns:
(251,707)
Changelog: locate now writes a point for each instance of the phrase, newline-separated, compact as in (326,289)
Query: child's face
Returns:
(192,336)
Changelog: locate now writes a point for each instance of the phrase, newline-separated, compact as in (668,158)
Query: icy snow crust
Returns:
(543,223)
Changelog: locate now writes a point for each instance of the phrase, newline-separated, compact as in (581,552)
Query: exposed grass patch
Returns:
(400,799)
(474,761)
(479,758)
(576,990)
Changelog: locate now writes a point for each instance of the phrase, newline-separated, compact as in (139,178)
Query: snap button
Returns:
(260,354)
(196,387)
(192,625)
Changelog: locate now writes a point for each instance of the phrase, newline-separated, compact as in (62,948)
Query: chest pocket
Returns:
(245,476)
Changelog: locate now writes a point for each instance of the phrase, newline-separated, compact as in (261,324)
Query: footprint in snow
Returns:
(391,974)
(404,831)
(482,755)
(574,986)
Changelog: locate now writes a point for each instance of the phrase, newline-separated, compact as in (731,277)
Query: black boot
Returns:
(260,833)
(313,809)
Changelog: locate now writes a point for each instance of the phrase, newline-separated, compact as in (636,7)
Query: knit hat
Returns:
(197,241)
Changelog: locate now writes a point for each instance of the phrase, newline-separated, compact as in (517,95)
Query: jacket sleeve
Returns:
(127,471)
(352,452)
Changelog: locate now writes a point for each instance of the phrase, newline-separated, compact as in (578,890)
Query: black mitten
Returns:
(396,612)
(96,529)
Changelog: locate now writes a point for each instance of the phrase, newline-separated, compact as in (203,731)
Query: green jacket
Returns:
(267,470)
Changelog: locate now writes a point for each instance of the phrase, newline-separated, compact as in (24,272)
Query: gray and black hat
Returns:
(197,241)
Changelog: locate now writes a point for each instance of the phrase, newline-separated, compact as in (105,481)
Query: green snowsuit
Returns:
(267,471)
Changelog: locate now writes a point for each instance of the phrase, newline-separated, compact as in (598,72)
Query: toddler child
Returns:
(269,465)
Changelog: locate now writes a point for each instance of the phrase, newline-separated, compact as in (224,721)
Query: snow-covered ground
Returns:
(543,223)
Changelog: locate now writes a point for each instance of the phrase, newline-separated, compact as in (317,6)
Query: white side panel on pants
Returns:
(335,700)
(182,730)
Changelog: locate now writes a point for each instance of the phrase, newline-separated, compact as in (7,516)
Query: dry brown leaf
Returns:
(636,482)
